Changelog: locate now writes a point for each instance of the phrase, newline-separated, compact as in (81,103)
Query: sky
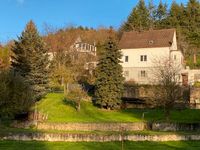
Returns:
(61,13)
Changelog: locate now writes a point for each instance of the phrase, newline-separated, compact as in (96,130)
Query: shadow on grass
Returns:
(70,103)
(157,114)
(7,130)
(145,114)
(23,145)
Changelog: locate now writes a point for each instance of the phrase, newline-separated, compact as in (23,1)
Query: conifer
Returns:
(109,82)
(31,61)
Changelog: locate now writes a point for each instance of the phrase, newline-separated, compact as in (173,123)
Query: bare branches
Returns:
(166,76)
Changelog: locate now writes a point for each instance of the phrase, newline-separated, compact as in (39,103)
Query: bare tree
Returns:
(76,95)
(166,78)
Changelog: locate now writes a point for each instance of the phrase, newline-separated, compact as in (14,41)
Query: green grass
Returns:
(59,111)
(33,145)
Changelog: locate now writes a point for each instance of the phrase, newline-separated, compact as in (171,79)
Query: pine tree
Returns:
(139,19)
(30,60)
(193,15)
(175,15)
(193,30)
(160,15)
(152,11)
(176,19)
(109,82)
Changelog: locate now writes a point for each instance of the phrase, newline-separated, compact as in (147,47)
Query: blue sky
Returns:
(59,13)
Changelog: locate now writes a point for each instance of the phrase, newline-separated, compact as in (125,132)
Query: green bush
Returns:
(75,96)
(15,94)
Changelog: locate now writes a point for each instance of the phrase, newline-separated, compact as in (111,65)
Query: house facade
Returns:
(80,47)
(81,52)
(141,49)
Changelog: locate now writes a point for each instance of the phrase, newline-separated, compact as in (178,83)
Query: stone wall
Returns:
(175,126)
(95,138)
(136,91)
(143,96)
(93,126)
(154,126)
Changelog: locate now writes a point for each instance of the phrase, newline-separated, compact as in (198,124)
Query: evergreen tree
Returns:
(152,11)
(139,19)
(176,15)
(30,60)
(109,82)
(193,30)
(176,19)
(160,15)
(193,18)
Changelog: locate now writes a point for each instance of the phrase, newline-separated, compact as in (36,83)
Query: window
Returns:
(126,58)
(174,57)
(143,74)
(126,73)
(143,57)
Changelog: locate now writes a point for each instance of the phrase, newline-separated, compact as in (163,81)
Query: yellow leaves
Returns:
(64,73)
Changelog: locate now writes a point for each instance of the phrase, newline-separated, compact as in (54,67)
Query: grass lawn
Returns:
(58,111)
(33,145)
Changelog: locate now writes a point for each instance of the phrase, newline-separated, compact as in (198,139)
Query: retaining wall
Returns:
(120,126)
(93,126)
(175,126)
(96,138)
(140,126)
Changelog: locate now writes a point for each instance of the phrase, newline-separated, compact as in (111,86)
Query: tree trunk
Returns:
(67,88)
(64,89)
(78,106)
(167,114)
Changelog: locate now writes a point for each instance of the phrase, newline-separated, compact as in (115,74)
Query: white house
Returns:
(83,51)
(140,49)
(80,47)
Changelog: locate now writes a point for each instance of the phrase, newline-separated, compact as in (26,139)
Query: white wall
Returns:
(178,58)
(134,56)
(134,66)
(174,43)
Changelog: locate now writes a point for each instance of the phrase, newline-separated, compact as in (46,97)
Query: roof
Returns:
(147,39)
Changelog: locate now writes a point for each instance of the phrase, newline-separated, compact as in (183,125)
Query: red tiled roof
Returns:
(147,39)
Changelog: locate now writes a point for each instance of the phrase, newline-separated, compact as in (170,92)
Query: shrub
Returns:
(76,95)
(15,94)
(197,84)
